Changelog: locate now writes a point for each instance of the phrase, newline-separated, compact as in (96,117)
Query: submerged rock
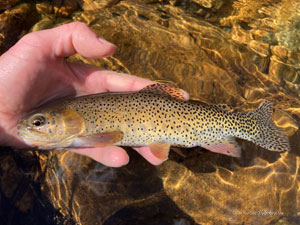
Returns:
(15,22)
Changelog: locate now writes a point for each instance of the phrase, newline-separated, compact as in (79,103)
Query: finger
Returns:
(66,40)
(111,156)
(147,154)
(113,81)
(94,80)
(109,81)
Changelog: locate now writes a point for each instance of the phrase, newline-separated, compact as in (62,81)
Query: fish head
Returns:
(49,129)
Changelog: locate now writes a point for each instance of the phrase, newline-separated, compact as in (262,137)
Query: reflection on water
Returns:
(238,53)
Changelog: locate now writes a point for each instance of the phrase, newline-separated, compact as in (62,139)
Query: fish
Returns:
(157,116)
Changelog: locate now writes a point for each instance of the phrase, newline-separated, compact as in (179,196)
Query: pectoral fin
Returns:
(101,139)
(160,150)
(226,146)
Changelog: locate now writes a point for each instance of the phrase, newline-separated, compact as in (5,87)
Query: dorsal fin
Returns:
(166,89)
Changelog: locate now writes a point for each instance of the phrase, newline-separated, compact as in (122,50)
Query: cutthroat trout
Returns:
(157,116)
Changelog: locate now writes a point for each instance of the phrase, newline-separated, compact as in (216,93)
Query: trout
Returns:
(157,116)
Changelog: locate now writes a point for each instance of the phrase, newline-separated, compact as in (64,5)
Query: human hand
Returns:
(34,71)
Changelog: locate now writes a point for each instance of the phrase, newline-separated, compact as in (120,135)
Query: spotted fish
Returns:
(157,116)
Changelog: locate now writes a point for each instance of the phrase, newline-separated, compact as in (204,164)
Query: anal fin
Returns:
(160,150)
(226,146)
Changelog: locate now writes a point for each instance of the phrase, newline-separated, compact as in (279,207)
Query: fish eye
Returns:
(38,120)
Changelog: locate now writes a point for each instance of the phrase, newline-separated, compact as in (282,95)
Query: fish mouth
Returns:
(28,133)
(30,138)
(33,138)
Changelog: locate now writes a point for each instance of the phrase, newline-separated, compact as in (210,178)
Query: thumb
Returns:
(63,41)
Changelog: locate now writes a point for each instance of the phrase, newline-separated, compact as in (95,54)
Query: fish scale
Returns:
(146,118)
(156,116)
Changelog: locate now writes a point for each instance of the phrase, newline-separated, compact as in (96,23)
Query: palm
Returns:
(32,84)
(34,71)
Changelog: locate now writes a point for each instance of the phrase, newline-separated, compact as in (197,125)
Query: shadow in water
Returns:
(22,200)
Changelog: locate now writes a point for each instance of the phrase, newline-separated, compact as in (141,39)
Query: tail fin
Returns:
(269,136)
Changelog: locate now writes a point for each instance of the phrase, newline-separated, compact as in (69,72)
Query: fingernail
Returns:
(104,41)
